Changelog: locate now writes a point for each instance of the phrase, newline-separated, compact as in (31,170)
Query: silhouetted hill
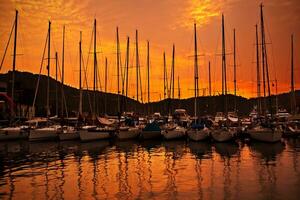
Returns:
(26,83)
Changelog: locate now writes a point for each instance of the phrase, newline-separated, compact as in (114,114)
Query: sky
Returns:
(162,23)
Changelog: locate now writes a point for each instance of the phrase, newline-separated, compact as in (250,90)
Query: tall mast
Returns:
(265,61)
(148,70)
(95,67)
(165,77)
(173,70)
(56,84)
(118,69)
(48,69)
(105,87)
(258,73)
(209,78)
(293,100)
(178,88)
(127,67)
(137,65)
(195,71)
(62,73)
(80,86)
(234,70)
(224,83)
(148,74)
(263,57)
(14,63)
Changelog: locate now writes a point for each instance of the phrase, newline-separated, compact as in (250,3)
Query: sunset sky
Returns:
(162,22)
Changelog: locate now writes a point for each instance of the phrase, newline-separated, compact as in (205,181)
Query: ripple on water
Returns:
(135,169)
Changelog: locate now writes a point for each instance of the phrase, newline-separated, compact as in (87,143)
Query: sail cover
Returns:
(105,121)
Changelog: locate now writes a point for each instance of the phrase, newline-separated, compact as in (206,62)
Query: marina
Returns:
(129,124)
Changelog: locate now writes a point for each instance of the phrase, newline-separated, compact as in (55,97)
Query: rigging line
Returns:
(41,67)
(63,92)
(85,76)
(88,58)
(12,29)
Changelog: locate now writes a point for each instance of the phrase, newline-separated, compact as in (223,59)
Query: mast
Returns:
(148,70)
(195,71)
(48,69)
(56,84)
(80,79)
(265,62)
(105,87)
(118,69)
(258,73)
(95,68)
(293,100)
(173,70)
(148,74)
(127,67)
(209,79)
(165,77)
(14,63)
(234,70)
(178,89)
(137,65)
(263,57)
(62,73)
(224,83)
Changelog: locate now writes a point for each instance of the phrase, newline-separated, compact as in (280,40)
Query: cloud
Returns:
(201,12)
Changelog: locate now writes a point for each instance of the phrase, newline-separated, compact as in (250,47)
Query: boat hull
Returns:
(131,133)
(41,135)
(198,135)
(266,135)
(86,135)
(74,135)
(150,134)
(220,135)
(12,134)
(173,134)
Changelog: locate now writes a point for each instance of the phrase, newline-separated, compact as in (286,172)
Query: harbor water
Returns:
(150,170)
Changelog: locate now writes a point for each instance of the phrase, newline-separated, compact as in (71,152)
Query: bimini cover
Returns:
(105,121)
(152,127)
(197,126)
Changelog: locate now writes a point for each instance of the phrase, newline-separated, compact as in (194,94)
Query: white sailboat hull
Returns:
(131,133)
(43,134)
(222,135)
(198,135)
(265,135)
(69,135)
(12,133)
(174,133)
(86,135)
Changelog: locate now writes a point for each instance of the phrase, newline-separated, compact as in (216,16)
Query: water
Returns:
(150,170)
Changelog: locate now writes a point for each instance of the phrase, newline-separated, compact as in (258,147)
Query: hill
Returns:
(26,83)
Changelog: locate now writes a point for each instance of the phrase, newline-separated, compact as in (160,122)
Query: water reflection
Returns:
(149,170)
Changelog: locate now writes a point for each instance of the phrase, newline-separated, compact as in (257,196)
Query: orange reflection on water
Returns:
(150,170)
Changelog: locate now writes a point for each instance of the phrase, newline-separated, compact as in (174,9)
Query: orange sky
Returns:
(162,22)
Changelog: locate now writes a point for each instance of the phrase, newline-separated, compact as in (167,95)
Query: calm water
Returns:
(149,170)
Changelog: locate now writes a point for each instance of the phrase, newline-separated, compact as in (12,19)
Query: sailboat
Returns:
(13,132)
(50,131)
(70,132)
(172,130)
(152,129)
(197,132)
(292,127)
(90,133)
(127,130)
(223,132)
(265,131)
